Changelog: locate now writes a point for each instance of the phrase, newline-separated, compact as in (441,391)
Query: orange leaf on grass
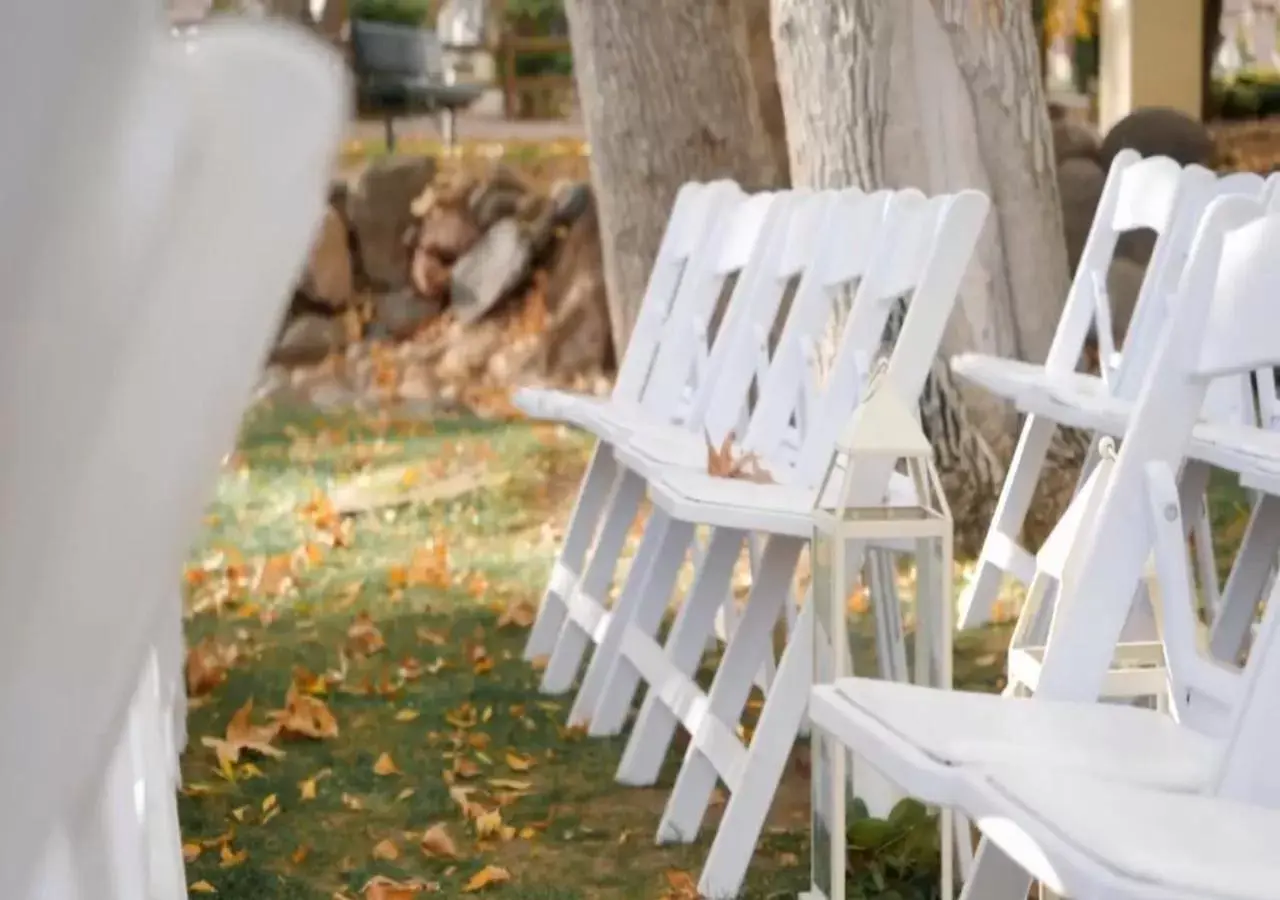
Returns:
(305,716)
(243,735)
(364,636)
(489,875)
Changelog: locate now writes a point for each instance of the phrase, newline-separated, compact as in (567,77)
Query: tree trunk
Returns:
(667,96)
(941,95)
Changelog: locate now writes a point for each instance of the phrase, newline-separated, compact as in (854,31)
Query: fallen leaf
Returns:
(202,887)
(305,716)
(520,614)
(352,802)
(307,789)
(191,852)
(380,887)
(510,784)
(385,765)
(487,876)
(723,463)
(231,858)
(386,849)
(269,803)
(519,763)
(299,855)
(405,794)
(682,885)
(406,715)
(437,842)
(244,735)
(429,566)
(489,824)
(364,636)
(207,664)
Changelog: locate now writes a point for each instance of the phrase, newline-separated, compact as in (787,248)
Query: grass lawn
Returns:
(384,571)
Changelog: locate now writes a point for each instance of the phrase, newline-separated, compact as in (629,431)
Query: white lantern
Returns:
(856,509)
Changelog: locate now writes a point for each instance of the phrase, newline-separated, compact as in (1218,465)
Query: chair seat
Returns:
(919,736)
(693,495)
(1149,843)
(1081,401)
(1012,378)
(551,403)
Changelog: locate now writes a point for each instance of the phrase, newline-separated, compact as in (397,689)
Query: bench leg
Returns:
(448,127)
(389,124)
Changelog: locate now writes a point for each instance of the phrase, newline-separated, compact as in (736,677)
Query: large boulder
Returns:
(327,278)
(379,210)
(1080,184)
(491,270)
(1159,131)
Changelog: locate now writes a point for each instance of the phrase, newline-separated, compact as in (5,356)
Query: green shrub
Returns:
(397,12)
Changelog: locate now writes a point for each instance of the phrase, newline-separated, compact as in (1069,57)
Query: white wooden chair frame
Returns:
(675,343)
(89,770)
(930,257)
(1151,193)
(1122,744)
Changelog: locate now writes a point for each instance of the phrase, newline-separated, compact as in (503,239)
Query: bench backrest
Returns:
(380,48)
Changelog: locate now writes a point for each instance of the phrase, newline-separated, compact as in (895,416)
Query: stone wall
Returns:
(460,284)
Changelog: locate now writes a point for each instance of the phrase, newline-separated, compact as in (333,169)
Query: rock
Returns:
(1074,140)
(577,338)
(398,314)
(430,276)
(490,270)
(1124,281)
(378,209)
(1080,184)
(570,200)
(447,233)
(495,204)
(496,197)
(1159,131)
(308,339)
(328,277)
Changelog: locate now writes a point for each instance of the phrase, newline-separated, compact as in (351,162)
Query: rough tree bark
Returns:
(940,95)
(668,95)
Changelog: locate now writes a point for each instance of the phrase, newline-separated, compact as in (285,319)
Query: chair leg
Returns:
(448,127)
(647,746)
(573,642)
(642,602)
(732,684)
(995,876)
(1000,550)
(1248,578)
(767,755)
(593,497)
(389,128)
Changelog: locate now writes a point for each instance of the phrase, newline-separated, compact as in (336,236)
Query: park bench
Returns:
(400,70)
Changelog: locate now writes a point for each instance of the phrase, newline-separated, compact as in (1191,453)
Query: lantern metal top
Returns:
(884,425)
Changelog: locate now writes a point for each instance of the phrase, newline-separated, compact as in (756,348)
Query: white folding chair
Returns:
(673,336)
(923,250)
(1149,193)
(779,241)
(931,743)
(1218,840)
(832,248)
(200,227)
